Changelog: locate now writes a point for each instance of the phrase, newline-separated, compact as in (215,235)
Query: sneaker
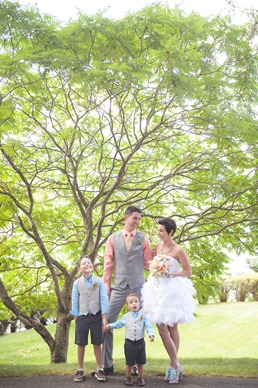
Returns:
(135,370)
(109,371)
(128,381)
(140,382)
(79,376)
(100,375)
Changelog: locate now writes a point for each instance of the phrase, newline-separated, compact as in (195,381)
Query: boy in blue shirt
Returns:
(89,308)
(134,347)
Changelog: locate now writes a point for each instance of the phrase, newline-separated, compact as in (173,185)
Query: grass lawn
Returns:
(222,341)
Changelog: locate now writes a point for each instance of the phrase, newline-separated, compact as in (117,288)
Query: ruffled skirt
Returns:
(168,300)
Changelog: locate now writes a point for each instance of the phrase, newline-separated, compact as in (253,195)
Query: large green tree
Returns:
(156,109)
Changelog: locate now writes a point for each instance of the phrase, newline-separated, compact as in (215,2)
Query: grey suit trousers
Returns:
(116,303)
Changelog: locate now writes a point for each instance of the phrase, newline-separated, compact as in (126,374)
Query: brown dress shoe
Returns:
(109,371)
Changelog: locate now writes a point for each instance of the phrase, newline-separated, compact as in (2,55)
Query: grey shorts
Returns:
(135,352)
(89,323)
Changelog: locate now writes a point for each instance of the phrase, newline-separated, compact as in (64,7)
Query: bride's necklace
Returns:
(168,250)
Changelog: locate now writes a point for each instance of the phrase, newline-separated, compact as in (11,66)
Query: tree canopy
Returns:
(158,109)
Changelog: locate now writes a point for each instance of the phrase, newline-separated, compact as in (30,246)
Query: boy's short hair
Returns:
(83,257)
(131,295)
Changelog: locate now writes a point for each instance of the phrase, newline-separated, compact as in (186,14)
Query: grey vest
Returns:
(134,328)
(89,298)
(129,266)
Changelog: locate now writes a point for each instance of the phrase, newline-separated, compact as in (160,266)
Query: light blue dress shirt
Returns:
(147,325)
(75,296)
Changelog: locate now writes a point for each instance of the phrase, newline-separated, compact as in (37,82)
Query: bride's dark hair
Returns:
(168,224)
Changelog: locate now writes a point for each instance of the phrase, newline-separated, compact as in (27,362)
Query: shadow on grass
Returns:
(230,367)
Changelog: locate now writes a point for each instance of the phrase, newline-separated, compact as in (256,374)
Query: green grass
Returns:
(222,341)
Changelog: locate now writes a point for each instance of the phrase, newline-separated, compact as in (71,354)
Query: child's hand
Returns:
(106,328)
(151,338)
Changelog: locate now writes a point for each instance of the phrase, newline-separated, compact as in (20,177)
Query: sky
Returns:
(63,10)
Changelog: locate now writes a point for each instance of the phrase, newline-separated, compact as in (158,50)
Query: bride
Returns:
(168,295)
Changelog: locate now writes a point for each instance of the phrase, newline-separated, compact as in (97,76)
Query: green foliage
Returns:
(156,109)
(253,264)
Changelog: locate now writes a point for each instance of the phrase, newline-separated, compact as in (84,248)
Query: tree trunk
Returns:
(59,345)
(60,348)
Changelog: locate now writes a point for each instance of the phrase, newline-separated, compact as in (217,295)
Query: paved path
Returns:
(118,381)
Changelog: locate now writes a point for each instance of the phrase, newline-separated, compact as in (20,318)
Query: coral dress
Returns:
(169,300)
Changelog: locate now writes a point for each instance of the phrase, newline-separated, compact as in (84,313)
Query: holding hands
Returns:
(106,327)
(104,322)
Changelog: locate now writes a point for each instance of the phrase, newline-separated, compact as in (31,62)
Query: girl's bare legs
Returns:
(169,345)
(174,334)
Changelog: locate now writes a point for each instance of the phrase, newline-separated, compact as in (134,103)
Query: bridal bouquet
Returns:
(159,266)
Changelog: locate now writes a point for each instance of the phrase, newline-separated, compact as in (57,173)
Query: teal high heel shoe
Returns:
(168,372)
(174,376)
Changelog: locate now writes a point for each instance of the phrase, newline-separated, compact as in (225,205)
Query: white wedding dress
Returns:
(169,300)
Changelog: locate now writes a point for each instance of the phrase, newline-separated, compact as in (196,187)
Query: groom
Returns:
(127,254)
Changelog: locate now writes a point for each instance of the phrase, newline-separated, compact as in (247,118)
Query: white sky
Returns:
(64,9)
(238,264)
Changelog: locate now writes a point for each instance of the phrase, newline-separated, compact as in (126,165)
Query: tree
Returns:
(252,263)
(156,109)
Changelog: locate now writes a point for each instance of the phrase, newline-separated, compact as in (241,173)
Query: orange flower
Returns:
(159,266)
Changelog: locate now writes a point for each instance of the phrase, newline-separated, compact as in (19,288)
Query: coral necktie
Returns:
(128,241)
